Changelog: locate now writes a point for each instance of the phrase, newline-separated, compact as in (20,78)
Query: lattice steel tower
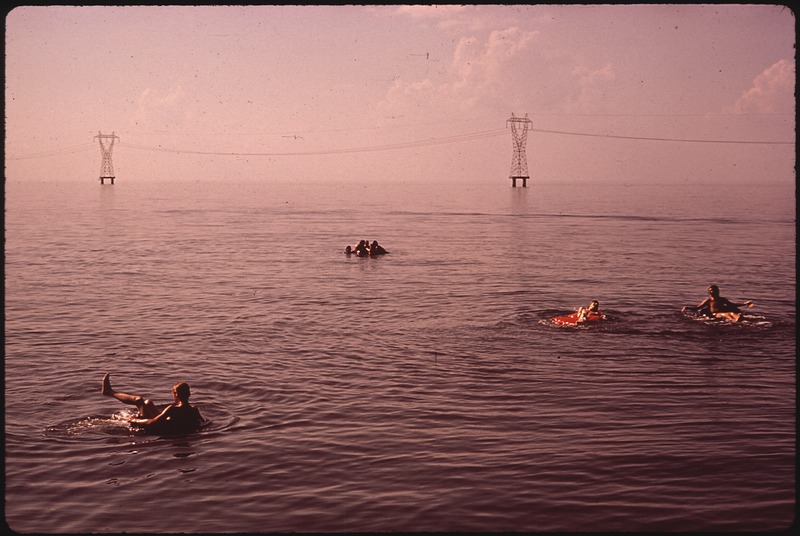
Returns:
(107,167)
(519,164)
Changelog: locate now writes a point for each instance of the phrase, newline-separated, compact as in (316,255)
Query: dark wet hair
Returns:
(182,390)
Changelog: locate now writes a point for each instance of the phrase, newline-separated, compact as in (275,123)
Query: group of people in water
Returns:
(182,417)
(365,249)
(714,306)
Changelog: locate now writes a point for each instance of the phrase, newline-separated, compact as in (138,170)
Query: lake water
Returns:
(425,390)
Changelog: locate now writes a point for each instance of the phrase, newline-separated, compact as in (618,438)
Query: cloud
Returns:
(591,90)
(479,73)
(163,110)
(772,91)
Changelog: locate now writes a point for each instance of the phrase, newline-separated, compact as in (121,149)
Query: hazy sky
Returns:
(402,93)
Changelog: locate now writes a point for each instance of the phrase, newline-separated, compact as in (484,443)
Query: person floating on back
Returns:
(180,417)
(718,307)
(582,315)
(591,312)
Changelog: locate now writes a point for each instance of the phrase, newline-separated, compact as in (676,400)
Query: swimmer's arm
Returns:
(695,307)
(746,303)
(161,417)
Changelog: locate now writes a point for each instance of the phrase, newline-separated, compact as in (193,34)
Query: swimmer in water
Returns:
(718,307)
(591,311)
(361,249)
(376,249)
(178,417)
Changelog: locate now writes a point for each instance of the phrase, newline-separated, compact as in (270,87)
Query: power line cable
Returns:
(647,138)
(55,152)
(450,139)
(393,146)
(401,145)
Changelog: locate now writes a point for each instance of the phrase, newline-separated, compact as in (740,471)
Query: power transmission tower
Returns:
(519,164)
(107,167)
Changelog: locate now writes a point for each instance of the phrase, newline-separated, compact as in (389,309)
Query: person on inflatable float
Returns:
(592,312)
(718,307)
(178,417)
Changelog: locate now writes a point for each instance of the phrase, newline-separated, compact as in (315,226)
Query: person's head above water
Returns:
(713,290)
(181,391)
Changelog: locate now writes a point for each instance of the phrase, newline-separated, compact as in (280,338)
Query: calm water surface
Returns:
(420,391)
